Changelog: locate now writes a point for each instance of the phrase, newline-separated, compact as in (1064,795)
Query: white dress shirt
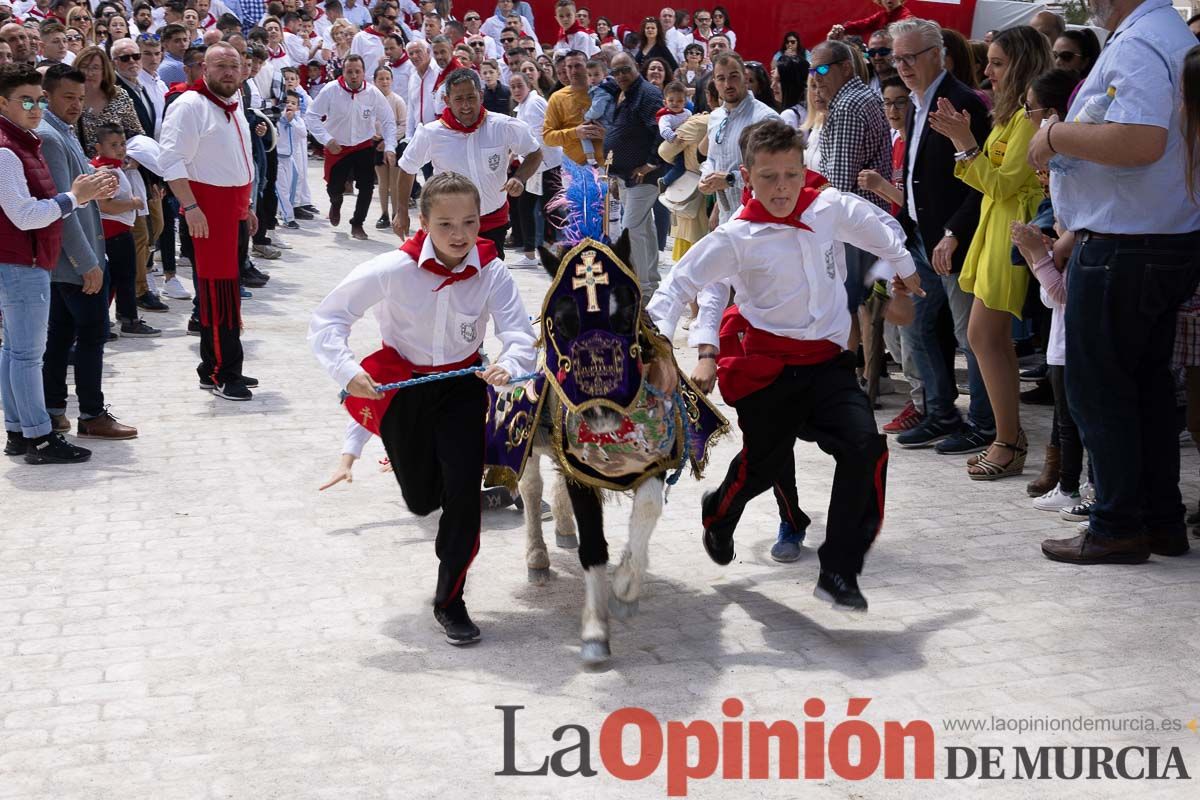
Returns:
(482,155)
(581,41)
(676,40)
(789,281)
(401,77)
(348,119)
(200,143)
(533,113)
(370,47)
(24,210)
(421,98)
(921,109)
(426,327)
(157,90)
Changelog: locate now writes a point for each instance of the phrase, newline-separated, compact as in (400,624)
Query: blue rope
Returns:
(677,398)
(439,376)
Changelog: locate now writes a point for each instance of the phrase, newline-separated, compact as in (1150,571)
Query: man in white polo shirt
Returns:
(468,140)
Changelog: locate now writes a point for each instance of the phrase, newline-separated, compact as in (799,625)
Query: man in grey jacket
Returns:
(78,306)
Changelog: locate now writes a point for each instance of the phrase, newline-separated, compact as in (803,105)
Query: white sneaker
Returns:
(174,289)
(1082,526)
(1056,500)
(280,243)
(1087,492)
(526,261)
(151,283)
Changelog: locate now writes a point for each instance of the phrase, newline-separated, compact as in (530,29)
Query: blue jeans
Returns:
(25,304)
(936,375)
(675,172)
(1121,301)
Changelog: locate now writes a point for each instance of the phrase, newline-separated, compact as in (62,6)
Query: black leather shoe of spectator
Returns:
(54,449)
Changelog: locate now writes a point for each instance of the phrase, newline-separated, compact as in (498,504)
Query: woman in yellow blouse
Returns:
(1010,193)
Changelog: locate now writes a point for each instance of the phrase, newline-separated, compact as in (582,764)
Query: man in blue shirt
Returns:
(1118,185)
(174,45)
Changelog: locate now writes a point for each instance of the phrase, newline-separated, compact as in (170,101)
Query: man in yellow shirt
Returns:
(564,126)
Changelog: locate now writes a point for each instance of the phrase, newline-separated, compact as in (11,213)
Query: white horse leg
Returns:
(630,572)
(537,560)
(564,516)
(594,632)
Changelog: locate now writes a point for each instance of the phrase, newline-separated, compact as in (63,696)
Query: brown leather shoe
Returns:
(1087,548)
(1166,544)
(357,232)
(59,423)
(104,426)
(335,215)
(1050,473)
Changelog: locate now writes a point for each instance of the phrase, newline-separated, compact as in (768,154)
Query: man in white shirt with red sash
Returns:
(468,140)
(783,255)
(343,119)
(208,161)
(432,298)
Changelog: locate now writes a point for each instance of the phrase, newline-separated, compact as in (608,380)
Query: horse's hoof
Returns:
(595,652)
(621,609)
(538,577)
(568,542)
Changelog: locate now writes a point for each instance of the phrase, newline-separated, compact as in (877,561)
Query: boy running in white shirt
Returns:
(432,298)
(782,254)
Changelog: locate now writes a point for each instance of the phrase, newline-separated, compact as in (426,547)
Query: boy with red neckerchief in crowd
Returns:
(889,11)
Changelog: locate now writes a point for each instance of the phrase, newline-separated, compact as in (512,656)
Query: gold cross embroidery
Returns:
(590,275)
(366,416)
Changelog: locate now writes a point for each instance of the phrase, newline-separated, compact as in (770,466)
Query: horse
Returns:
(605,426)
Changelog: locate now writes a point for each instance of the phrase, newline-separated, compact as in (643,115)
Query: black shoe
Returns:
(311,209)
(1036,373)
(840,590)
(249,279)
(139,330)
(248,382)
(968,440)
(253,269)
(16,444)
(113,335)
(383,223)
(233,390)
(291,225)
(496,498)
(929,432)
(1040,395)
(302,213)
(719,548)
(458,626)
(193,327)
(54,449)
(151,302)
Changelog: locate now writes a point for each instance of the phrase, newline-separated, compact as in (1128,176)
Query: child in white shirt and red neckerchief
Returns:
(432,298)
(673,114)
(571,34)
(118,216)
(783,255)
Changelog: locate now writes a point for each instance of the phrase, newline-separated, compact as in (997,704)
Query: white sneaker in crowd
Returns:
(526,261)
(1087,492)
(174,289)
(1056,500)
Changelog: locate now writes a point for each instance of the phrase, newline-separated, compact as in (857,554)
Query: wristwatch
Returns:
(949,234)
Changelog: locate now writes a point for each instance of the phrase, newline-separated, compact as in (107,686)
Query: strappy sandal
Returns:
(984,469)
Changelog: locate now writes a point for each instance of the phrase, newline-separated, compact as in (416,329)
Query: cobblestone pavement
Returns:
(187,617)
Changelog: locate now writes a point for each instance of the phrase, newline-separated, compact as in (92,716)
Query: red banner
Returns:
(760,25)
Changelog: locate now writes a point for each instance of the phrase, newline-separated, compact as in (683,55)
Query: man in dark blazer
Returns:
(940,213)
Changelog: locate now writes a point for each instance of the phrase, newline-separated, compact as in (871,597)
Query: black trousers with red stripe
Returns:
(820,403)
(433,434)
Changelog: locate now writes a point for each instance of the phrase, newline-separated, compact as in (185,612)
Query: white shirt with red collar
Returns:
(368,43)
(790,281)
(424,324)
(280,56)
(576,38)
(200,142)
(402,73)
(482,155)
(350,118)
(422,99)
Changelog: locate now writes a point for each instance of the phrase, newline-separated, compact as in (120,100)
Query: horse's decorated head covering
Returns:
(593,311)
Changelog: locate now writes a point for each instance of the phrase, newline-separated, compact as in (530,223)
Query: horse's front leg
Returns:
(593,556)
(631,572)
(537,560)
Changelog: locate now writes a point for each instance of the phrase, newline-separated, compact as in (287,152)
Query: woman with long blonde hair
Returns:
(1011,193)
(818,109)
(80,18)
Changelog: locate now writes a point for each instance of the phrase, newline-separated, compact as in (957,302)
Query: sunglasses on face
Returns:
(28,103)
(623,70)
(509,40)
(470,19)
(703,20)
(130,57)
(1066,55)
(878,52)
(908,61)
(823,70)
(478,45)
(75,37)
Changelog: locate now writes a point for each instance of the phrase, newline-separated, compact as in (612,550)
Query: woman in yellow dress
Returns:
(1011,192)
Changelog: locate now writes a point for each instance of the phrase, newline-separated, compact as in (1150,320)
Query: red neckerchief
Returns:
(412,248)
(450,121)
(699,37)
(453,65)
(664,111)
(608,38)
(209,21)
(399,62)
(228,107)
(371,29)
(353,92)
(575,28)
(101,161)
(281,54)
(755,211)
(317,14)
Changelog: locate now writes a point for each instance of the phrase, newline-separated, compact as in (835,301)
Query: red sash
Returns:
(387,366)
(494,219)
(215,256)
(752,359)
(333,158)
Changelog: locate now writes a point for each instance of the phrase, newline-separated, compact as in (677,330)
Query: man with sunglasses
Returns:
(474,24)
(879,54)
(368,43)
